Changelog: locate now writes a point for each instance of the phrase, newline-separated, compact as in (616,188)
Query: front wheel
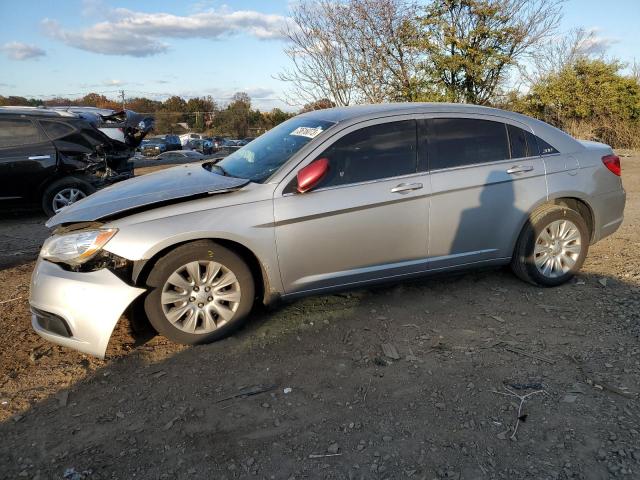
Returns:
(552,246)
(64,192)
(201,292)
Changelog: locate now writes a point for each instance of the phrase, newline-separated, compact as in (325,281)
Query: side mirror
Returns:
(312,174)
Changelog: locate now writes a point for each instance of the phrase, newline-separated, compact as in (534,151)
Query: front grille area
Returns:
(52,323)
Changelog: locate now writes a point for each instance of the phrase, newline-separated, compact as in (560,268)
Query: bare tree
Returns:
(352,51)
(320,63)
(559,51)
(635,71)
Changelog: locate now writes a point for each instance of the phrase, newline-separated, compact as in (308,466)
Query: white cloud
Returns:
(104,38)
(114,83)
(595,44)
(22,51)
(139,34)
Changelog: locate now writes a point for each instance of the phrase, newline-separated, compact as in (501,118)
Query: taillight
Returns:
(612,162)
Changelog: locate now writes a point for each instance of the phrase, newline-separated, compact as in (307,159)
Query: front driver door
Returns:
(366,220)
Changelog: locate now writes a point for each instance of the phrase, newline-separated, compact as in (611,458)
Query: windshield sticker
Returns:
(308,132)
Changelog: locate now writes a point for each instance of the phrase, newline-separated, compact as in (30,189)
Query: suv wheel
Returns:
(552,247)
(64,192)
(201,293)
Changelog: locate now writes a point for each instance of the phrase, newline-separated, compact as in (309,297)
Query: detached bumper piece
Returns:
(78,310)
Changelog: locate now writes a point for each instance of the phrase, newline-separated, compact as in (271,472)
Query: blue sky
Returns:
(203,47)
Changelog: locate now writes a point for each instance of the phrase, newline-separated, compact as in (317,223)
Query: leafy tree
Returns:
(318,105)
(469,45)
(589,98)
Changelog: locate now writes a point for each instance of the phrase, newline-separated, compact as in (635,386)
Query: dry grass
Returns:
(614,132)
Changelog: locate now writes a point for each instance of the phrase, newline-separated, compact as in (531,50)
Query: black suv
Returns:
(56,156)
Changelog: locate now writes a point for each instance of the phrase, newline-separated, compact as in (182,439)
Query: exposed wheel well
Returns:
(142,269)
(581,207)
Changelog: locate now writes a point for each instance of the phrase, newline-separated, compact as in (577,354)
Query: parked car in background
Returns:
(188,137)
(55,157)
(205,147)
(172,142)
(153,147)
(181,155)
(227,146)
(328,200)
(216,141)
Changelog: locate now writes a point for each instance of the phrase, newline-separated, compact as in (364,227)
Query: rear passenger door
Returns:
(27,158)
(485,178)
(367,220)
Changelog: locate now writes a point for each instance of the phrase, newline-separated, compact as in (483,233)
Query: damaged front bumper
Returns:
(78,310)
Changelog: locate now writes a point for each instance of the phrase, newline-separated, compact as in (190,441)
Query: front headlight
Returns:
(75,248)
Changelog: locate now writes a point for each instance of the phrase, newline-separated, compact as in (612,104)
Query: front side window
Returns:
(380,151)
(18,132)
(455,142)
(260,159)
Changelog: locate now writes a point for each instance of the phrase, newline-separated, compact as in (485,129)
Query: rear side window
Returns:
(18,132)
(55,130)
(518,142)
(526,144)
(455,142)
(371,153)
(545,148)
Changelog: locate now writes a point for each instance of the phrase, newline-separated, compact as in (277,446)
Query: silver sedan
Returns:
(328,200)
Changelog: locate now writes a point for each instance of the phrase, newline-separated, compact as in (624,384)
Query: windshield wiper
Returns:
(220,170)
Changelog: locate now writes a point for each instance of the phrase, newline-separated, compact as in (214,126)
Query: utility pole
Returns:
(122,96)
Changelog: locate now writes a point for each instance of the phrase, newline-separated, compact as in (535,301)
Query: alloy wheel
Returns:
(66,197)
(557,248)
(200,297)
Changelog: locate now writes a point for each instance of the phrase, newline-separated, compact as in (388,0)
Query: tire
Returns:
(540,242)
(51,195)
(190,318)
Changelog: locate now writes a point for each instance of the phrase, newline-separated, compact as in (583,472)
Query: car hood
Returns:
(163,186)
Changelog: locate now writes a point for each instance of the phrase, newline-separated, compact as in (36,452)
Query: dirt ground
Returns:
(308,391)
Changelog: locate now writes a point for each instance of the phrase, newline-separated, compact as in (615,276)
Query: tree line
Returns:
(176,115)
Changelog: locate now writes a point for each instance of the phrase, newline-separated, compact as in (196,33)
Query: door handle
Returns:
(520,169)
(406,187)
(39,157)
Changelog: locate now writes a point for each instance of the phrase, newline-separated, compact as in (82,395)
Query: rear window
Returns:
(55,130)
(18,132)
(456,142)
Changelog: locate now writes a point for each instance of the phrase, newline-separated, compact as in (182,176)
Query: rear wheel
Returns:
(64,192)
(552,246)
(201,293)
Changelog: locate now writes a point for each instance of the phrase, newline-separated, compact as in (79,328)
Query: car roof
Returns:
(358,113)
(339,114)
(36,111)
